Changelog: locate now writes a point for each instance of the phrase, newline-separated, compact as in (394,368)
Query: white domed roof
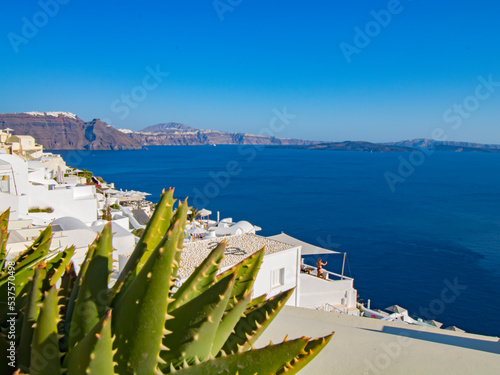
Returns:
(70,223)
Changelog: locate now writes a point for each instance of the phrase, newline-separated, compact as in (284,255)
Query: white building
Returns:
(282,269)
(25,187)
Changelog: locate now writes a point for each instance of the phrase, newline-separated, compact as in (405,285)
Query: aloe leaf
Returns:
(4,235)
(153,233)
(267,360)
(255,321)
(257,300)
(192,327)
(38,248)
(45,355)
(93,355)
(30,317)
(311,350)
(19,286)
(140,312)
(227,324)
(92,301)
(246,273)
(70,307)
(57,265)
(68,280)
(201,279)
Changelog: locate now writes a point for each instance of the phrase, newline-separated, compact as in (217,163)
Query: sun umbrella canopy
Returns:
(396,309)
(435,323)
(204,212)
(455,328)
(198,231)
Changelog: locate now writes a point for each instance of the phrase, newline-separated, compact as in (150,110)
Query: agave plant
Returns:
(61,322)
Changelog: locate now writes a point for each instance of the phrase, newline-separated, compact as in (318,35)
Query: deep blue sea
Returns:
(432,245)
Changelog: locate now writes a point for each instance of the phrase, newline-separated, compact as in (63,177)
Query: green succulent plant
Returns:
(63,322)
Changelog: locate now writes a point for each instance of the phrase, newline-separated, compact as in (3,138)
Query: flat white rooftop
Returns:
(238,248)
(372,346)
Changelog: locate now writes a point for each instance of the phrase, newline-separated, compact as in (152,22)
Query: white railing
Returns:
(330,308)
(311,270)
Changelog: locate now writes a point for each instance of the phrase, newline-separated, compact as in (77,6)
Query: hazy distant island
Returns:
(66,131)
(402,146)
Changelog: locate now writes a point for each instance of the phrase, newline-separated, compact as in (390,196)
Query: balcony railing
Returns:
(327,275)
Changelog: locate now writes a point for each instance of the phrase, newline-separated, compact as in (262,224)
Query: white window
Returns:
(277,277)
(4,184)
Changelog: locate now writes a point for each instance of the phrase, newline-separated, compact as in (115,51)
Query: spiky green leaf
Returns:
(93,355)
(36,250)
(246,273)
(45,354)
(153,233)
(30,317)
(70,308)
(140,312)
(192,327)
(255,321)
(92,301)
(4,236)
(311,350)
(57,265)
(201,279)
(228,322)
(263,361)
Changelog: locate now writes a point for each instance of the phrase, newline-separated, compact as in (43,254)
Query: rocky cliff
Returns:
(63,130)
(173,133)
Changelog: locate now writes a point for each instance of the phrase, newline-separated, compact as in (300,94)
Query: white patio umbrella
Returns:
(204,212)
(198,231)
(396,309)
(454,328)
(435,323)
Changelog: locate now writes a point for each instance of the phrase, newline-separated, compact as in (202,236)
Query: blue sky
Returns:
(230,63)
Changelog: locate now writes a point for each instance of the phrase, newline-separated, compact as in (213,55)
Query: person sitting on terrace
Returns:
(319,265)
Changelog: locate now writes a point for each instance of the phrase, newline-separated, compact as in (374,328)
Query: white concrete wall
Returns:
(287,259)
(315,291)
(77,202)
(12,201)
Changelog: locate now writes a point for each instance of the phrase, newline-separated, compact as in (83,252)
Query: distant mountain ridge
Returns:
(354,146)
(430,143)
(168,127)
(64,130)
(401,146)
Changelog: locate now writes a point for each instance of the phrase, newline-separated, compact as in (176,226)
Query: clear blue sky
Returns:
(230,74)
